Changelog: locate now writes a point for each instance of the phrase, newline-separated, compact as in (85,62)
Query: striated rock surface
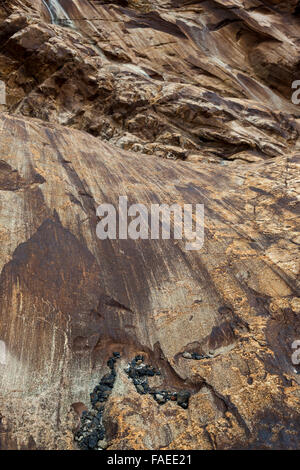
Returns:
(164,102)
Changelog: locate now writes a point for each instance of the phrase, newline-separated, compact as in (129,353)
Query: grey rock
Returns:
(140,388)
(160,398)
(187,355)
(102,444)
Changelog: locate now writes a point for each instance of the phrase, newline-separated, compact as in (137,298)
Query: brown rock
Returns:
(181,81)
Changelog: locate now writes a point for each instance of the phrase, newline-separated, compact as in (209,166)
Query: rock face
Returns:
(162,102)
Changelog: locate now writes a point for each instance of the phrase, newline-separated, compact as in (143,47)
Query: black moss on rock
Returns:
(91,431)
(139,373)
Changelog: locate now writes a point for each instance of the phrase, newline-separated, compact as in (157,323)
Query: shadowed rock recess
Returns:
(141,344)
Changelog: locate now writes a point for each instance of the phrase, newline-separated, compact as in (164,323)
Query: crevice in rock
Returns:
(224,23)
(228,406)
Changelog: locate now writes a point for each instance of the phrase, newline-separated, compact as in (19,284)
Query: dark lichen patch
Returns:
(139,372)
(91,434)
(196,356)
